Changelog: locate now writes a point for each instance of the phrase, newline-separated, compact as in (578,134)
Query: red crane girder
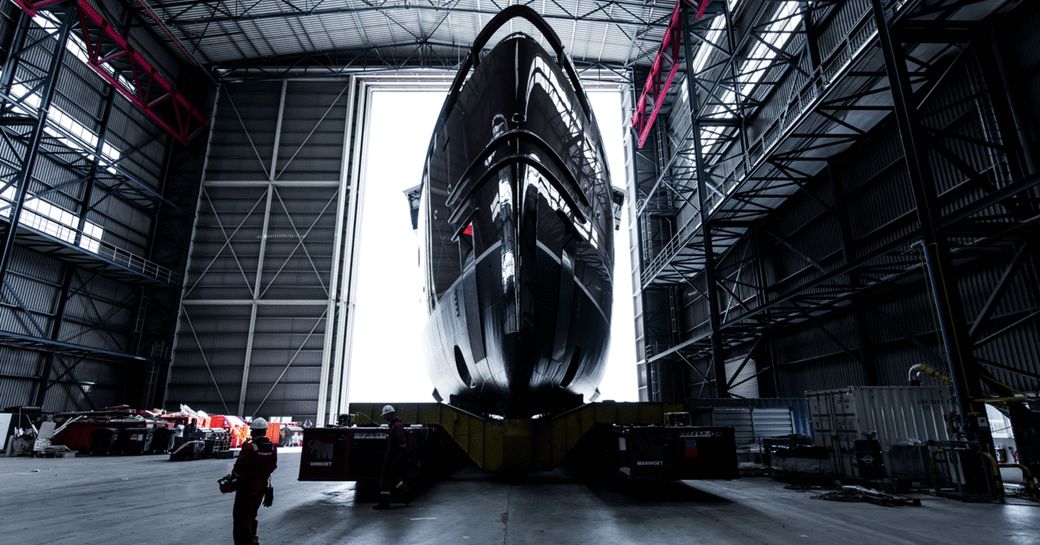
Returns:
(116,61)
(667,60)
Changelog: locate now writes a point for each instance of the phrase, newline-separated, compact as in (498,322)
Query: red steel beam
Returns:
(667,59)
(116,61)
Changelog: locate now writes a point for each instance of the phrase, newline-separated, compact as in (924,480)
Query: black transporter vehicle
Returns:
(516,215)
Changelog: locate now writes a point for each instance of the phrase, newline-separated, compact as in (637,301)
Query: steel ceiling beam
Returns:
(115,60)
(590,17)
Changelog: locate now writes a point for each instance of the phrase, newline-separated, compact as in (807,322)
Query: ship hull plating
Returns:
(516,219)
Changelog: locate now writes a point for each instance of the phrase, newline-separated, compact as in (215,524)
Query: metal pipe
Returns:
(946,298)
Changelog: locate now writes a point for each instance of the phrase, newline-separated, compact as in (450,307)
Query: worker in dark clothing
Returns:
(253,469)
(395,460)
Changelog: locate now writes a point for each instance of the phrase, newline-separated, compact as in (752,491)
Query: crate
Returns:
(358,454)
(133,441)
(103,441)
(910,466)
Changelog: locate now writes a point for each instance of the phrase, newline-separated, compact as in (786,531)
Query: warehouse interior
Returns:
(832,212)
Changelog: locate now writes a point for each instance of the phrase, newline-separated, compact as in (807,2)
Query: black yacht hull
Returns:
(516,218)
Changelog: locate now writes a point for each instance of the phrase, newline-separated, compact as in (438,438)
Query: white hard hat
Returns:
(387,409)
(258,424)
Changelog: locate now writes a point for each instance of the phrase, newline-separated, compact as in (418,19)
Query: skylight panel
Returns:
(72,133)
(774,39)
(50,219)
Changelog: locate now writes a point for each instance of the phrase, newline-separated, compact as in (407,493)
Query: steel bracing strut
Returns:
(116,61)
(946,298)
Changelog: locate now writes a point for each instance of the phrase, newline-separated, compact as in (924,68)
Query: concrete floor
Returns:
(147,500)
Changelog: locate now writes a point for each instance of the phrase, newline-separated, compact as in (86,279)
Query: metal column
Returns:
(14,47)
(258,279)
(342,273)
(86,195)
(841,211)
(761,278)
(710,289)
(59,316)
(28,162)
(164,381)
(957,345)
(345,317)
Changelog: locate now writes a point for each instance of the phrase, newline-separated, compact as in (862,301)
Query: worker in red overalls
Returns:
(395,460)
(254,466)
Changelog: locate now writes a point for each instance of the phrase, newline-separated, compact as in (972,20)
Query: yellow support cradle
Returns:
(519,444)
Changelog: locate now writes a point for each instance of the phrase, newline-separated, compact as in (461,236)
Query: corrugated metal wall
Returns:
(864,191)
(257,329)
(900,323)
(76,328)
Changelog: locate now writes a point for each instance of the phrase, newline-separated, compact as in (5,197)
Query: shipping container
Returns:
(752,425)
(792,412)
(891,415)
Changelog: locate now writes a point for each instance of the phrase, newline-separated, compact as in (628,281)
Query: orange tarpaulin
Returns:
(236,427)
(274,432)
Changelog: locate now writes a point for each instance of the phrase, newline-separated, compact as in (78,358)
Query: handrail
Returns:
(473,59)
(520,11)
(458,192)
(537,165)
(105,252)
(809,93)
